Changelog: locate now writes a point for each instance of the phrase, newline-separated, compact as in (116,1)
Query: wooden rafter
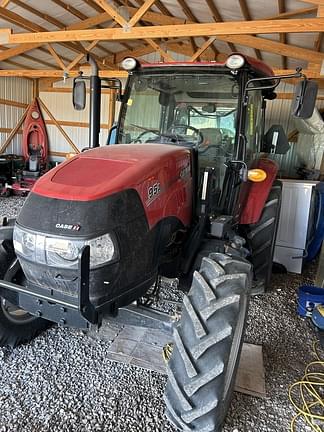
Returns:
(51,19)
(218,18)
(33,27)
(203,48)
(55,56)
(157,48)
(188,12)
(247,16)
(319,38)
(141,11)
(79,57)
(247,40)
(283,36)
(4,3)
(90,22)
(112,12)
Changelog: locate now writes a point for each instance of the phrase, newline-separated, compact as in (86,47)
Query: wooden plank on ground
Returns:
(142,347)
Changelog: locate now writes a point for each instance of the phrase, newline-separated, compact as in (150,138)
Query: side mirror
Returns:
(304,99)
(275,141)
(112,136)
(79,94)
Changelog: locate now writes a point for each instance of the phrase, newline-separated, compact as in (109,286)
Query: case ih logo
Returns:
(68,227)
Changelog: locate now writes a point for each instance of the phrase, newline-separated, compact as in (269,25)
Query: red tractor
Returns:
(184,195)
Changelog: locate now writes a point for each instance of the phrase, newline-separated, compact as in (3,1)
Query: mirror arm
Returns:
(276,78)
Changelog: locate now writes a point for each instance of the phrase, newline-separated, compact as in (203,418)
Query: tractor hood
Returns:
(103,171)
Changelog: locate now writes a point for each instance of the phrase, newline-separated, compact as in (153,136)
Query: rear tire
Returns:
(16,325)
(207,344)
(261,238)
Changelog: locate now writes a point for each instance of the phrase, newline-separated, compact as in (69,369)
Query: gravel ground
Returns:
(62,381)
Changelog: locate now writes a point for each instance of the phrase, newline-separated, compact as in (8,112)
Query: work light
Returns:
(235,61)
(129,63)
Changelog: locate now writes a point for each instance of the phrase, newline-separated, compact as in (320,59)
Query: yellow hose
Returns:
(304,395)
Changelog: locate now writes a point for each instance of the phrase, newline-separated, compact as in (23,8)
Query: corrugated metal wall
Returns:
(61,107)
(19,90)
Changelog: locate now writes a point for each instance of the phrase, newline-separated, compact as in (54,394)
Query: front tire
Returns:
(16,325)
(207,344)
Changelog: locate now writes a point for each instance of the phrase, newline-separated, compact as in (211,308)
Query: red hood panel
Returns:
(103,171)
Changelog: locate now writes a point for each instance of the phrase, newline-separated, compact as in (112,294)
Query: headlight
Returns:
(24,242)
(102,250)
(62,252)
(235,61)
(129,63)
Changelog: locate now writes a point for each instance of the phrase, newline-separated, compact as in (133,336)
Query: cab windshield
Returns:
(197,110)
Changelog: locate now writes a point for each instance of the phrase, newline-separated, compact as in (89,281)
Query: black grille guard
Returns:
(78,313)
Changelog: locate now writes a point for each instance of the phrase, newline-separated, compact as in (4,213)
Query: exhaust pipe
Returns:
(95,102)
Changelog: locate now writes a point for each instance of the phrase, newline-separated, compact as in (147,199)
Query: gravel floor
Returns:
(62,381)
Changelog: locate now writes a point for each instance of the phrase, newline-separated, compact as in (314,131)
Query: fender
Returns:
(259,192)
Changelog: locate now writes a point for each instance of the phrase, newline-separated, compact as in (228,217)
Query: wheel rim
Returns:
(236,346)
(12,312)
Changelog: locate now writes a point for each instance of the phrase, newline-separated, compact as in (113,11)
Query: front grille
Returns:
(65,282)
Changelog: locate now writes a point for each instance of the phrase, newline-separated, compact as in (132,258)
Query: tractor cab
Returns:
(214,109)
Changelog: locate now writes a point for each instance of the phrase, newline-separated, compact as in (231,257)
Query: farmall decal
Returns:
(68,227)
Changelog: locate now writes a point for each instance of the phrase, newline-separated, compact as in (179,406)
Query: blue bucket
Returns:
(308,298)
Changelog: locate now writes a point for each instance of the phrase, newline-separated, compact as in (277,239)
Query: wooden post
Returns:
(35,88)
(111,108)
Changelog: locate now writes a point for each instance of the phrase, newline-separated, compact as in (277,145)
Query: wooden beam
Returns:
(251,41)
(79,57)
(141,11)
(162,53)
(247,16)
(73,124)
(14,131)
(111,109)
(4,3)
(306,25)
(316,2)
(13,103)
(53,73)
(189,14)
(29,73)
(55,56)
(276,47)
(112,12)
(218,18)
(90,22)
(202,49)
(282,36)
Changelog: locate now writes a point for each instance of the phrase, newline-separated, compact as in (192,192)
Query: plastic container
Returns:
(309,297)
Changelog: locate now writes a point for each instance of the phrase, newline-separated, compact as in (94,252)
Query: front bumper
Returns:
(76,311)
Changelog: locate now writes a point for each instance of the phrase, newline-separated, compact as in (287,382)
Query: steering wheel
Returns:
(200,137)
(138,139)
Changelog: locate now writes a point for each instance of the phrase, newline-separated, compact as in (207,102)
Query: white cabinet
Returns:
(293,223)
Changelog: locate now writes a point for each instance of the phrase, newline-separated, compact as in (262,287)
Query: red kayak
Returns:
(34,139)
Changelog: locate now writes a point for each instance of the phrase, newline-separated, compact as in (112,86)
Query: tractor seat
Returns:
(211,136)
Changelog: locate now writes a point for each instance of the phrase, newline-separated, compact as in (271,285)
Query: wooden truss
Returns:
(153,28)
